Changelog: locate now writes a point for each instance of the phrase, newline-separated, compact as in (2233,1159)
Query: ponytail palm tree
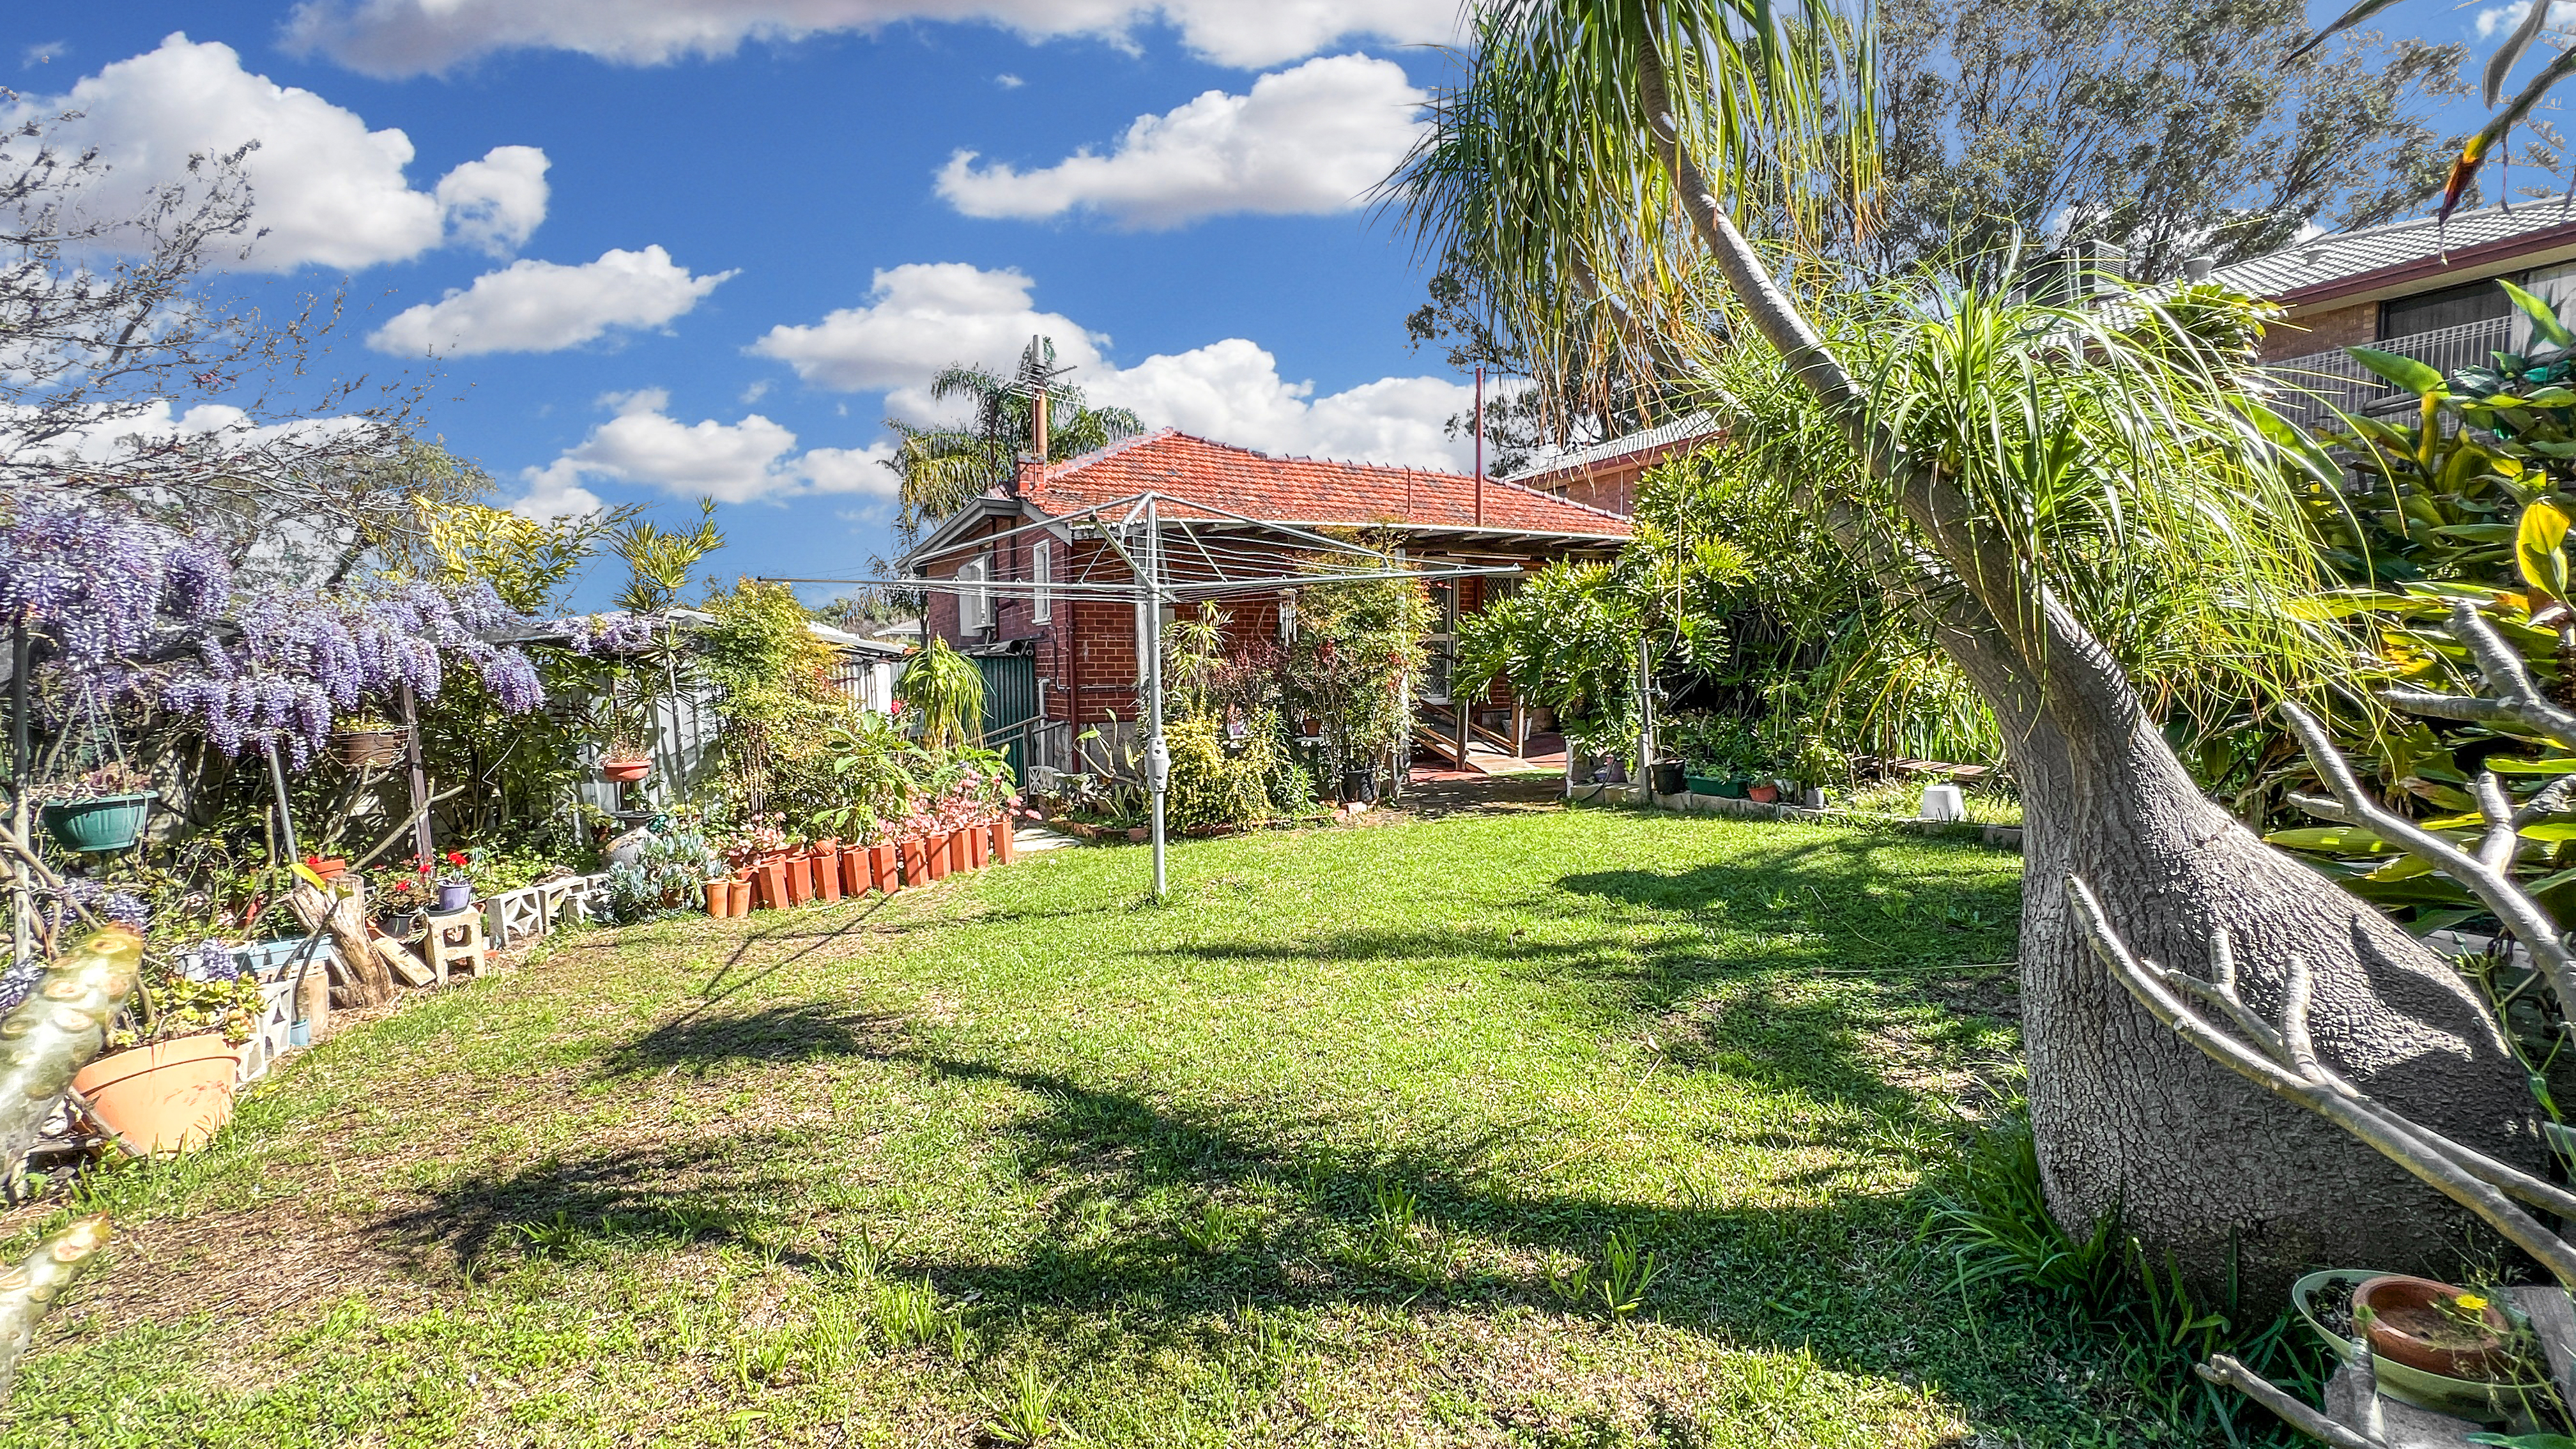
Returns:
(2073,503)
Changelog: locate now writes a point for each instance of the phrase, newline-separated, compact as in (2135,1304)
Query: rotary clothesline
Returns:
(1157,550)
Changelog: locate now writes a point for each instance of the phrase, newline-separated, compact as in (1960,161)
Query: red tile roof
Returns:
(1303,490)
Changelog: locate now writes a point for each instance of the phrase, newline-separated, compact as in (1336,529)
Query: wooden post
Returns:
(419,775)
(1480,451)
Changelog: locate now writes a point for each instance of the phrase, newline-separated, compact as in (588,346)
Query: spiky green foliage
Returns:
(1539,178)
(945,692)
(943,467)
(2105,457)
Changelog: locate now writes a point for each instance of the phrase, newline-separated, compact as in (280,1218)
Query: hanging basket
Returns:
(101,826)
(363,749)
(625,772)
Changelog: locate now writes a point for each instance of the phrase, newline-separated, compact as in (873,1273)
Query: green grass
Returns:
(1987,805)
(1508,1127)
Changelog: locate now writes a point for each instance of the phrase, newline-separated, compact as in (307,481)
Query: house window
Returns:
(2450,307)
(1042,571)
(974,604)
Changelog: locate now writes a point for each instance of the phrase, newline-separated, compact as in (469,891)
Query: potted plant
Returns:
(625,760)
(400,896)
(2431,1345)
(455,884)
(101,811)
(366,740)
(165,1084)
(827,869)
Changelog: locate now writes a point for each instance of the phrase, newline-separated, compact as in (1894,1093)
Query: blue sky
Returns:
(668,247)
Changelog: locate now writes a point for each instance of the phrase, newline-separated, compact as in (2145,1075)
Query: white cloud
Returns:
(1008,81)
(533,306)
(921,317)
(326,189)
(1231,391)
(495,203)
(742,462)
(42,52)
(2500,20)
(1305,141)
(408,37)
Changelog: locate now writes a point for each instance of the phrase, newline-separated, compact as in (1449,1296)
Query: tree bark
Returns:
(2238,1188)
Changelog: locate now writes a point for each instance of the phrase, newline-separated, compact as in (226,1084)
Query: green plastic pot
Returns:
(2511,1405)
(105,825)
(1705,784)
(1732,787)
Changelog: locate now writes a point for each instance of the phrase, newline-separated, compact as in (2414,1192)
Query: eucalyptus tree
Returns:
(2029,479)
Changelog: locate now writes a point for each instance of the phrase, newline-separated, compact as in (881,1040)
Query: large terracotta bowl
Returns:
(2409,1323)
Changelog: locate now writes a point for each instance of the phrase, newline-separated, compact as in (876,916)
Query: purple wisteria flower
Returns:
(100,581)
(122,907)
(614,633)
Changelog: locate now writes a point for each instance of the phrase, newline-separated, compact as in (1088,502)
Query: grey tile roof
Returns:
(1682,429)
(2340,256)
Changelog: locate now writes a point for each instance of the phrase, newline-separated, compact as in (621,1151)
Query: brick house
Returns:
(1085,653)
(1606,475)
(2414,288)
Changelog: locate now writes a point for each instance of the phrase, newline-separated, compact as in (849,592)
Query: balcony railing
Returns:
(2334,378)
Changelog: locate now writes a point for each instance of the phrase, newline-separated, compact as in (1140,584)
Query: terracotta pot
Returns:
(625,772)
(169,1096)
(1006,845)
(957,858)
(358,749)
(2409,1325)
(827,875)
(934,853)
(1763,794)
(979,844)
(331,869)
(719,899)
(738,896)
(800,878)
(769,885)
(883,872)
(916,861)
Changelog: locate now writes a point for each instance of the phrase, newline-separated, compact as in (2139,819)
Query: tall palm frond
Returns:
(943,468)
(1544,173)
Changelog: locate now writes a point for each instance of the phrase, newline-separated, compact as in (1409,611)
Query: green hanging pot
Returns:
(105,825)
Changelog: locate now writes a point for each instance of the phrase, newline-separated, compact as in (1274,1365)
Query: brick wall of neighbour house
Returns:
(2322,331)
(1612,488)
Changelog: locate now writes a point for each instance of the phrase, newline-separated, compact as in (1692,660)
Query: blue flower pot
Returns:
(101,826)
(453,898)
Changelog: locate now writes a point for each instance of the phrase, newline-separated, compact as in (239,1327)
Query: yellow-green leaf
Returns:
(2539,548)
(2334,839)
(2550,830)
(2516,765)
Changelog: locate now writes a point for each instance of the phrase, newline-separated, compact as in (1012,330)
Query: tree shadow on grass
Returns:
(1161,1224)
(790,1032)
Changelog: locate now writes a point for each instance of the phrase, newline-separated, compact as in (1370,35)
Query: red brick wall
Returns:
(2321,331)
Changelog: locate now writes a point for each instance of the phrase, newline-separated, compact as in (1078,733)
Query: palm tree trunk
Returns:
(2129,1119)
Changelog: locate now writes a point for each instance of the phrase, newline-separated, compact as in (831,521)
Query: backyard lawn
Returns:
(1364,1137)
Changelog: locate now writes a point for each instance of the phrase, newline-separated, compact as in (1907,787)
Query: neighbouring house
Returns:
(1605,475)
(1057,666)
(2414,288)
(684,723)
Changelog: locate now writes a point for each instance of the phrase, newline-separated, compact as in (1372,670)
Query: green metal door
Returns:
(1010,706)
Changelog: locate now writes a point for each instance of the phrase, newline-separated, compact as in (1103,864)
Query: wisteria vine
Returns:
(108,589)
